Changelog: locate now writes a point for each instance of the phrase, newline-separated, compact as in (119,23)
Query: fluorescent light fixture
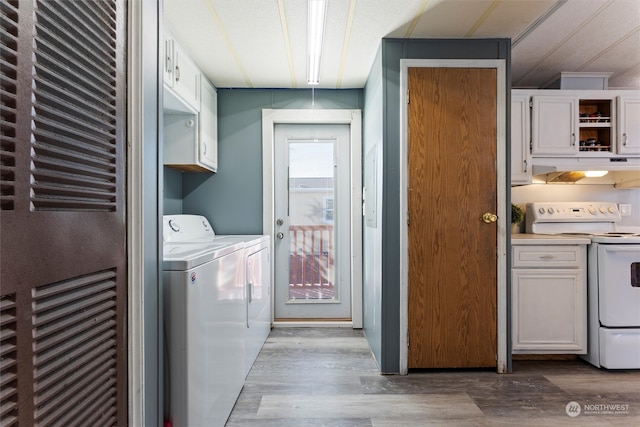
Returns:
(595,174)
(315,34)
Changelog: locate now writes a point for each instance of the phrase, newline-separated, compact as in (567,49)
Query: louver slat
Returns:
(8,362)
(8,90)
(74,103)
(75,356)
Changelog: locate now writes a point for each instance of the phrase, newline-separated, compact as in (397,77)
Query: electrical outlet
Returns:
(625,209)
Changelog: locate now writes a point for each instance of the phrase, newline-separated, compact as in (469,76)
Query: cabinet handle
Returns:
(573,139)
(625,139)
(525,166)
(177,73)
(169,57)
(547,257)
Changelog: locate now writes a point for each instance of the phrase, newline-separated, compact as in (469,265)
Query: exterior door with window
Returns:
(312,210)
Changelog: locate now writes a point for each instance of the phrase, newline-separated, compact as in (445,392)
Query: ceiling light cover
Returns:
(315,34)
(595,174)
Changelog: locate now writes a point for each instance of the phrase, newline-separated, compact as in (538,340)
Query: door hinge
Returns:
(408,96)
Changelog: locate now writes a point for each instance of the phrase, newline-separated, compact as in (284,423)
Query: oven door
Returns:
(619,285)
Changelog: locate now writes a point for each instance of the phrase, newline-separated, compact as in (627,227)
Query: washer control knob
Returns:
(541,210)
(592,210)
(550,210)
(174,225)
(612,209)
(602,209)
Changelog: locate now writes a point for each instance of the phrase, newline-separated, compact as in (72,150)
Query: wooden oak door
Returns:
(452,251)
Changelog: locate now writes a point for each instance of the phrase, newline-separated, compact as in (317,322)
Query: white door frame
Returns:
(271,117)
(501,169)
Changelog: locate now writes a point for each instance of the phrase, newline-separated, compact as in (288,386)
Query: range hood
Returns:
(622,172)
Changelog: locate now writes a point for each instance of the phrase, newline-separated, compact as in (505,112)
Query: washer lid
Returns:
(184,256)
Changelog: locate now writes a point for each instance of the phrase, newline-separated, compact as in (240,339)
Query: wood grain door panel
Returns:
(452,252)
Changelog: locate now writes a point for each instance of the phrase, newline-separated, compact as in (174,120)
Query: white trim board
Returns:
(501,169)
(271,117)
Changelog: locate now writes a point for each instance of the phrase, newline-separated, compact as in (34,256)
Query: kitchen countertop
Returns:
(547,239)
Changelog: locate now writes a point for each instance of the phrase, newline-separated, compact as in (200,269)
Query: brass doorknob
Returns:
(489,217)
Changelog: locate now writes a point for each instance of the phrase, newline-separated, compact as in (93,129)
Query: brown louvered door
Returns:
(62,218)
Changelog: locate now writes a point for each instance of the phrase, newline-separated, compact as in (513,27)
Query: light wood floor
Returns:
(327,377)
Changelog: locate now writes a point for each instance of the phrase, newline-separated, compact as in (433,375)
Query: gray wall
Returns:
(386,298)
(372,131)
(232,198)
(172,193)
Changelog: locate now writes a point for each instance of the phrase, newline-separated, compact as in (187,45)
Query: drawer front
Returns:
(549,256)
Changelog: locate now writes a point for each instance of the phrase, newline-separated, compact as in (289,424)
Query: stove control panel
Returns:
(573,212)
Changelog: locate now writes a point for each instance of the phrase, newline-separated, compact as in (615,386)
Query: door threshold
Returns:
(312,323)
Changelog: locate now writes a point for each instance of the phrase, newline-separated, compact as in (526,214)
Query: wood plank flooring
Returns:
(327,377)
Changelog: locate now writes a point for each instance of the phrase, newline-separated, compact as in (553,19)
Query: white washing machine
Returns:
(217,316)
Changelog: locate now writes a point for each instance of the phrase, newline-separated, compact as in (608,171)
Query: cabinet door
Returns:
(187,78)
(520,130)
(208,150)
(549,311)
(628,125)
(555,127)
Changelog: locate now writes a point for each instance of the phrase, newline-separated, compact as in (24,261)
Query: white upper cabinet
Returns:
(554,125)
(190,113)
(628,122)
(180,73)
(586,124)
(520,139)
(208,155)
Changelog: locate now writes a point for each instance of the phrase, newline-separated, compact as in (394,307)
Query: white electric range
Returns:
(613,276)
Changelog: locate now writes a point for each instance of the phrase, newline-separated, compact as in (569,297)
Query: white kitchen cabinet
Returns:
(549,299)
(520,140)
(180,73)
(588,124)
(554,125)
(191,138)
(208,126)
(628,115)
(190,113)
